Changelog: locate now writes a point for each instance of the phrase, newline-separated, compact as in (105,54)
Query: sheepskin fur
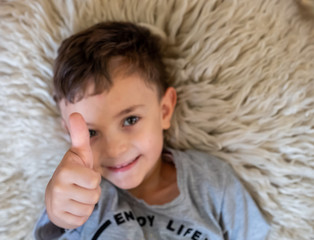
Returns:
(244,72)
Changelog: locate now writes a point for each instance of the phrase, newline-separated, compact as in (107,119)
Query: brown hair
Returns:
(95,53)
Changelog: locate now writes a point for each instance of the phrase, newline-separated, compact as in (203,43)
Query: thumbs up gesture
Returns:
(73,190)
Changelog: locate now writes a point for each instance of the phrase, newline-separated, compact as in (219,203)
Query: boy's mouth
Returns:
(125,166)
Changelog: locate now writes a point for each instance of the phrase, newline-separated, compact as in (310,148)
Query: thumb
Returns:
(80,139)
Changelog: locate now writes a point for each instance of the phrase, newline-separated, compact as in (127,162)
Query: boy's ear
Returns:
(168,104)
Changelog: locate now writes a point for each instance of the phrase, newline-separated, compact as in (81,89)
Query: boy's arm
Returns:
(74,189)
(240,217)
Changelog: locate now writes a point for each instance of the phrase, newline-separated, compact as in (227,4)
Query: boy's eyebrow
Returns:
(121,113)
(128,110)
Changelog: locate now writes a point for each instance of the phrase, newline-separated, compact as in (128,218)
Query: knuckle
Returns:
(74,156)
(93,182)
(62,173)
(58,189)
(71,157)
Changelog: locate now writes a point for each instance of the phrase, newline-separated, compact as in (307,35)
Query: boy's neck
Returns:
(160,187)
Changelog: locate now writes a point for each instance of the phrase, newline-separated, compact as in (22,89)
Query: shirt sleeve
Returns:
(240,217)
(46,230)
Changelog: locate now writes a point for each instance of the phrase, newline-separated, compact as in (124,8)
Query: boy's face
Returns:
(126,126)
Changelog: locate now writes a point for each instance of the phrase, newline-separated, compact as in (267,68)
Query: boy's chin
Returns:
(125,185)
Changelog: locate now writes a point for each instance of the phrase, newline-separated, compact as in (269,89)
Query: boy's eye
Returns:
(92,133)
(130,121)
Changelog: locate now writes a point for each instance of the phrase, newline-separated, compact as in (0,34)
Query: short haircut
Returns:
(95,54)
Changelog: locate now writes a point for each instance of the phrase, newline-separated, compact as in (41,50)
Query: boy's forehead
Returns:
(125,90)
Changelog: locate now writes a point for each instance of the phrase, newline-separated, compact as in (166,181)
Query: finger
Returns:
(84,196)
(79,209)
(80,139)
(70,221)
(68,174)
(80,176)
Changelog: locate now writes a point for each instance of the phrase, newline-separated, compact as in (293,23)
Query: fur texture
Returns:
(244,72)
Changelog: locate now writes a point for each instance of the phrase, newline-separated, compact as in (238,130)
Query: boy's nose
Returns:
(115,147)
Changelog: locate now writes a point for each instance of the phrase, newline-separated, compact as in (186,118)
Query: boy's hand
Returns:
(73,190)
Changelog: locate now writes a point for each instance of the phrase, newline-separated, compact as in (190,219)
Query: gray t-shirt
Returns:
(212,205)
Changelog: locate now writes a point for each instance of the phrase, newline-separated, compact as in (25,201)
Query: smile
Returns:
(124,167)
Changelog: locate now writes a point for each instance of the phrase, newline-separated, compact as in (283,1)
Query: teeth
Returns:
(123,165)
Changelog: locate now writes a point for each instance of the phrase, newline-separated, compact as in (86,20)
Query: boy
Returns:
(118,180)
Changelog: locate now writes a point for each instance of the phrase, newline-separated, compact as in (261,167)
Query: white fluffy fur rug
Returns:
(244,71)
